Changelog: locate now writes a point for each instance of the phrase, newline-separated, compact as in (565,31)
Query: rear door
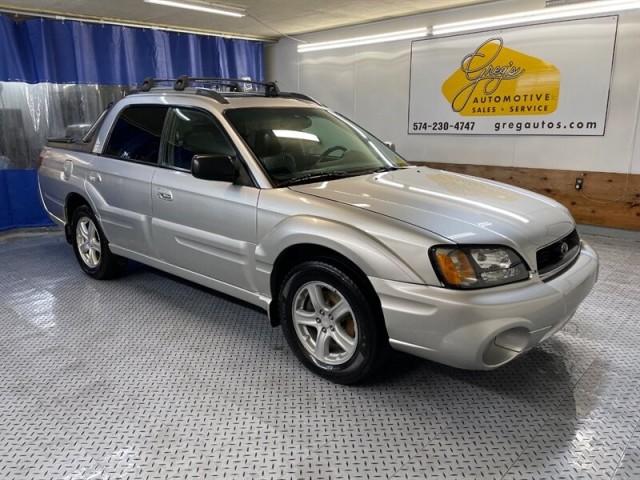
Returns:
(119,180)
(207,227)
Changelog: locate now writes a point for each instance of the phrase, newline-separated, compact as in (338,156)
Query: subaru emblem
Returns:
(564,248)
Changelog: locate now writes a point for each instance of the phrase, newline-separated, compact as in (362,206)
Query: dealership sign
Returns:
(550,79)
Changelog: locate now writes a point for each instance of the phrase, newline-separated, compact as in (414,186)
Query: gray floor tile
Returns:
(151,377)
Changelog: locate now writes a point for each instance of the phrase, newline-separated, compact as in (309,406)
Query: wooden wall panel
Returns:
(606,199)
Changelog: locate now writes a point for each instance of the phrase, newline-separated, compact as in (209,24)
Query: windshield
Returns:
(297,145)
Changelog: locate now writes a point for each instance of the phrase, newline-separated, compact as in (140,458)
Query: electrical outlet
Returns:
(579,183)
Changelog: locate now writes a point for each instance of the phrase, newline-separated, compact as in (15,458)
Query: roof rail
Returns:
(299,96)
(205,92)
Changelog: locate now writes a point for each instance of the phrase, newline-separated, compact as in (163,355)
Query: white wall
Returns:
(370,84)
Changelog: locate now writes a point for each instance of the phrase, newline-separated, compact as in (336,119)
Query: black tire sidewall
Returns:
(364,360)
(105,268)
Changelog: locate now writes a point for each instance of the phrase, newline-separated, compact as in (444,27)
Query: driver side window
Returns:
(193,132)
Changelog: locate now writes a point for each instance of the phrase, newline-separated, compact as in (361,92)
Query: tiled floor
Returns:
(149,377)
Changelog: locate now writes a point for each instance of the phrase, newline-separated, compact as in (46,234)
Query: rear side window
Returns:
(136,134)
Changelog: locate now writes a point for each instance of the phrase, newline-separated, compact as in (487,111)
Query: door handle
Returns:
(95,177)
(164,194)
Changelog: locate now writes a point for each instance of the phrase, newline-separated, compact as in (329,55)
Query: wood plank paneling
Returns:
(606,199)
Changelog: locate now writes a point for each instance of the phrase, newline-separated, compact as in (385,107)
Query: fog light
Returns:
(516,339)
(506,346)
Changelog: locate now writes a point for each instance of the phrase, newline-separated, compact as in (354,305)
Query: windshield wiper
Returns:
(310,177)
(386,168)
(332,174)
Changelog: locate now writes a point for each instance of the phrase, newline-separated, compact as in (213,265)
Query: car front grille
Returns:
(558,256)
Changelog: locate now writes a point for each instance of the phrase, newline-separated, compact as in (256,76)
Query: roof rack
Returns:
(234,85)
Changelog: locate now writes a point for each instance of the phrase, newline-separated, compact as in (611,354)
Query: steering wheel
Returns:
(324,155)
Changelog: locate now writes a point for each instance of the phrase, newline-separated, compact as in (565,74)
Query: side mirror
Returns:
(214,167)
(391,145)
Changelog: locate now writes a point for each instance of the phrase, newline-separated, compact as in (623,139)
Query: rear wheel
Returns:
(91,247)
(330,324)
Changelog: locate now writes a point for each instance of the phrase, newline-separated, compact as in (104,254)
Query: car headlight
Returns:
(468,267)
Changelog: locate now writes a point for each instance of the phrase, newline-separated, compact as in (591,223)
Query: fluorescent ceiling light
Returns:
(201,7)
(355,41)
(552,13)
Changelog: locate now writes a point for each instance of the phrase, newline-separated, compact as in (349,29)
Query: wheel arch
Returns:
(71,204)
(299,253)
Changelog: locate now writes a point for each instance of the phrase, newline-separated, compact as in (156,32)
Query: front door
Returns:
(207,227)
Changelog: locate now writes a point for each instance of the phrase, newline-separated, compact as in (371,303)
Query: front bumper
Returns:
(483,329)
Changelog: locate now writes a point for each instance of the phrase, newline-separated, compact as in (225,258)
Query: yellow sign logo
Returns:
(496,80)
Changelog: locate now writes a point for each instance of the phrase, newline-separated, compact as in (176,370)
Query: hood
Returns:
(460,208)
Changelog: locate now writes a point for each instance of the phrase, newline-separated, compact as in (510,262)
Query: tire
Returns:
(329,323)
(92,248)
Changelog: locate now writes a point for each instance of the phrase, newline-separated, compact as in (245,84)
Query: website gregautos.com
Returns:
(544,125)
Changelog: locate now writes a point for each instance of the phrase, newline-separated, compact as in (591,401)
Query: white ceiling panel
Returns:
(264,20)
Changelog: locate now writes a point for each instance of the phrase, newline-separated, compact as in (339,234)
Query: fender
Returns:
(369,254)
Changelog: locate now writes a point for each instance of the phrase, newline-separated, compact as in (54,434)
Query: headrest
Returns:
(265,143)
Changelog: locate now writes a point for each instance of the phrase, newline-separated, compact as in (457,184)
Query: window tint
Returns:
(136,134)
(193,132)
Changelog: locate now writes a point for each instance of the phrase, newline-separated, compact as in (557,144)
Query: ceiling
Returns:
(266,19)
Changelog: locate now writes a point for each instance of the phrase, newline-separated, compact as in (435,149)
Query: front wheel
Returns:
(91,247)
(330,324)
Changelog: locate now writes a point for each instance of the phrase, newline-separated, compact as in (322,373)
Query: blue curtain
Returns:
(17,61)
(54,51)
(19,202)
